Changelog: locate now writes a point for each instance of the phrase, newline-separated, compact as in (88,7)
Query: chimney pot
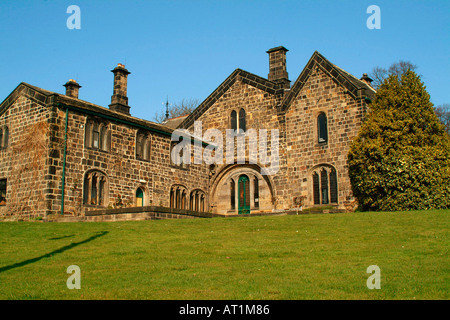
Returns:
(72,88)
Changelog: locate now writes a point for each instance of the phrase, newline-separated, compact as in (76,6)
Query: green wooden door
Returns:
(139,198)
(244,195)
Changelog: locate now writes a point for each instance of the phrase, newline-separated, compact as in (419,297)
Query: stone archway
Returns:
(241,189)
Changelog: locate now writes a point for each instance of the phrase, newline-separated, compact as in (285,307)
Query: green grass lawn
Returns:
(308,256)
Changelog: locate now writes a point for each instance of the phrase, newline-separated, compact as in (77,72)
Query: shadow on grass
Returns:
(60,250)
(62,237)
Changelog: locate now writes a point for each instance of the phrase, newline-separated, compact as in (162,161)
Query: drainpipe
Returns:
(63,180)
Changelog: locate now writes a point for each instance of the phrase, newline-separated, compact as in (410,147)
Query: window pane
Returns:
(322,128)
(242,119)
(324,186)
(3,192)
(233,194)
(333,187)
(316,188)
(95,141)
(5,137)
(233,120)
(256,192)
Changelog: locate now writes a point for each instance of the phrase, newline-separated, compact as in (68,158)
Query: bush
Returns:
(400,159)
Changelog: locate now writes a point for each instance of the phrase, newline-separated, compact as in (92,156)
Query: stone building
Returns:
(60,154)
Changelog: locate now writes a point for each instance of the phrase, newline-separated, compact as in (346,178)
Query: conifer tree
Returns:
(400,159)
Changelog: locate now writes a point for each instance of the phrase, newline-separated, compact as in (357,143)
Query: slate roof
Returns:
(50,98)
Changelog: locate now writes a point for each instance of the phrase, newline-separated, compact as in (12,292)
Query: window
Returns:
(95,191)
(322,129)
(232,194)
(256,192)
(242,119)
(324,186)
(197,200)
(178,196)
(3,184)
(143,144)
(180,160)
(4,137)
(324,182)
(95,139)
(97,135)
(105,138)
(233,120)
(238,123)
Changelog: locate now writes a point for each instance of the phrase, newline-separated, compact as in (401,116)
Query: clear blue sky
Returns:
(186,48)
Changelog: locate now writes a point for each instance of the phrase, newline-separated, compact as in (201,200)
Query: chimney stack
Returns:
(119,99)
(277,66)
(72,88)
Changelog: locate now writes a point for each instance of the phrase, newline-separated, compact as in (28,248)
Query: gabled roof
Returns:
(50,98)
(354,86)
(244,76)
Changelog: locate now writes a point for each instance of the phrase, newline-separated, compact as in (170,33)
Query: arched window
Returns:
(233,117)
(232,194)
(105,138)
(172,198)
(202,203)
(256,191)
(324,185)
(97,135)
(238,121)
(3,184)
(242,125)
(197,200)
(333,187)
(95,191)
(143,143)
(322,128)
(178,197)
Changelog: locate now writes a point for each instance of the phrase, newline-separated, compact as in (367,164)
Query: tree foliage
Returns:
(400,159)
(443,114)
(178,109)
(379,74)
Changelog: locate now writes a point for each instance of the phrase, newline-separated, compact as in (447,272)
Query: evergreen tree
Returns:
(400,159)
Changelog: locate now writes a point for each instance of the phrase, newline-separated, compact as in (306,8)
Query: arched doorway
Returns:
(244,194)
(139,197)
